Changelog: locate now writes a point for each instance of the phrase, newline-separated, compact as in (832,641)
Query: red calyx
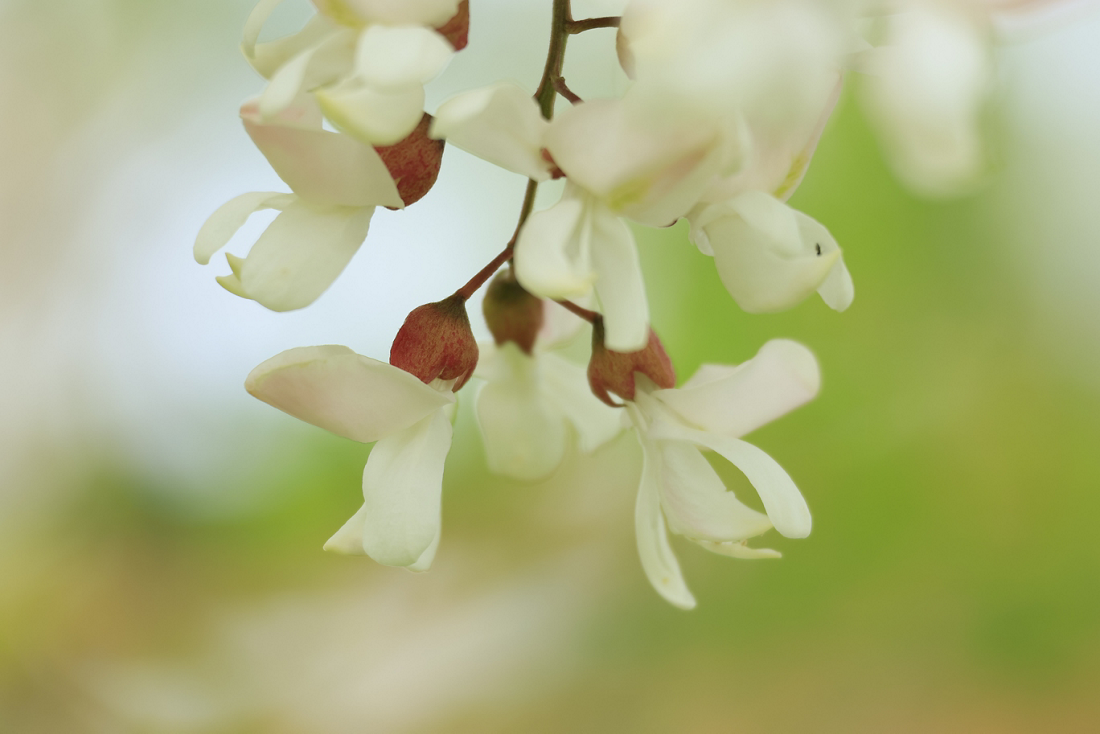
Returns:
(414,162)
(613,372)
(511,313)
(436,342)
(457,29)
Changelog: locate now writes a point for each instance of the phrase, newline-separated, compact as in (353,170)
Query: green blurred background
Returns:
(160,533)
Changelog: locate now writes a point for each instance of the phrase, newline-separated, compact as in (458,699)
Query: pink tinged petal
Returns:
(524,435)
(560,325)
(501,124)
(783,502)
(402,492)
(391,59)
(316,66)
(320,166)
(619,284)
(695,501)
(372,115)
(348,540)
(567,385)
(658,561)
(553,252)
(351,395)
(769,257)
(301,253)
(230,216)
(734,401)
(738,549)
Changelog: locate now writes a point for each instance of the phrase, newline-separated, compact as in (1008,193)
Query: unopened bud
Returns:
(457,29)
(435,343)
(512,314)
(413,162)
(613,372)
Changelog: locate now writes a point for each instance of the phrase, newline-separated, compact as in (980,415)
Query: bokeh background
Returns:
(160,531)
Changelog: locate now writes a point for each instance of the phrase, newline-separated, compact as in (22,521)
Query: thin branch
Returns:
(563,89)
(485,273)
(584,313)
(574,27)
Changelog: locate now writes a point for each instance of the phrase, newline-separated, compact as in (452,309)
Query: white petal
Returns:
(658,561)
(419,12)
(559,324)
(783,502)
(566,384)
(837,289)
(373,115)
(734,401)
(321,166)
(230,216)
(738,549)
(765,254)
(619,284)
(524,435)
(428,556)
(301,253)
(316,66)
(348,540)
(351,395)
(501,124)
(255,24)
(696,502)
(267,58)
(391,59)
(553,252)
(402,491)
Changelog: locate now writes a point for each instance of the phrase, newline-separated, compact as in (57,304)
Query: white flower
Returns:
(366,61)
(370,401)
(337,182)
(769,256)
(679,489)
(528,402)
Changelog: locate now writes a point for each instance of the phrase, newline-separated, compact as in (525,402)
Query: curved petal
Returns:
(402,492)
(351,395)
(392,58)
(783,502)
(231,216)
(254,25)
(619,284)
(318,65)
(837,289)
(267,58)
(697,504)
(389,12)
(524,436)
(739,549)
(553,252)
(320,166)
(373,115)
(737,400)
(301,253)
(566,384)
(658,561)
(501,124)
(348,540)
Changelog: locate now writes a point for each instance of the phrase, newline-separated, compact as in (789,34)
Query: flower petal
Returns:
(393,58)
(524,435)
(351,395)
(697,504)
(267,58)
(374,116)
(567,385)
(389,12)
(299,255)
(619,284)
(738,549)
(553,253)
(783,502)
(320,166)
(782,376)
(348,540)
(231,216)
(658,561)
(402,492)
(318,65)
(501,124)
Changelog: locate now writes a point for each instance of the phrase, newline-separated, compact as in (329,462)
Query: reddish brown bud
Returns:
(435,342)
(512,314)
(413,162)
(457,29)
(614,371)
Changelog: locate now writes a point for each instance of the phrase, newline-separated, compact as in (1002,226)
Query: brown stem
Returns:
(563,89)
(584,313)
(485,273)
(580,26)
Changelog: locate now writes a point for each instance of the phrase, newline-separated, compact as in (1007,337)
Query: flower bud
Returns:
(457,29)
(613,372)
(435,343)
(413,162)
(512,314)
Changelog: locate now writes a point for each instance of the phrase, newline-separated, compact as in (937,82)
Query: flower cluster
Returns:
(726,102)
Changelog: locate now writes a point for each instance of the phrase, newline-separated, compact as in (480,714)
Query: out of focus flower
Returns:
(366,61)
(370,401)
(680,491)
